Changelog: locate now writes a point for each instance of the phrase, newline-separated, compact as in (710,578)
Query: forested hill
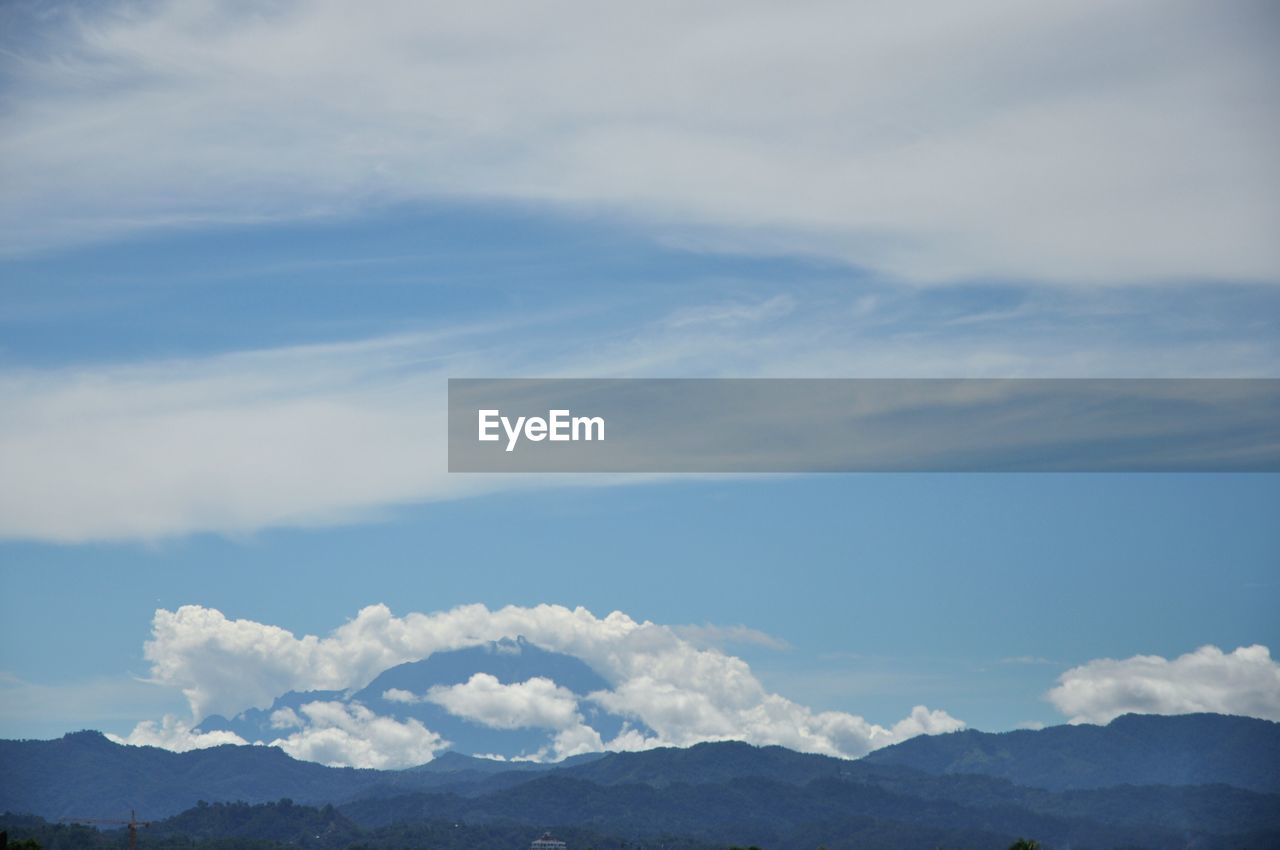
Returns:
(1189,749)
(1141,782)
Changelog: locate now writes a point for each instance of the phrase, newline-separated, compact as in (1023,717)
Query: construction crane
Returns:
(133,823)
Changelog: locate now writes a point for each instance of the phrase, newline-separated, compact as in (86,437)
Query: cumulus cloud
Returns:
(174,733)
(285,718)
(350,735)
(537,702)
(657,679)
(1064,141)
(1245,681)
(333,733)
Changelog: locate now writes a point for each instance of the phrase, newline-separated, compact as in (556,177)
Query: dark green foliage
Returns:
(264,827)
(834,813)
(24,844)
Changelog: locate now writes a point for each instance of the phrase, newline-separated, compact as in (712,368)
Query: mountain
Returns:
(707,763)
(83,774)
(509,661)
(838,814)
(1189,749)
(285,825)
(953,810)
(715,793)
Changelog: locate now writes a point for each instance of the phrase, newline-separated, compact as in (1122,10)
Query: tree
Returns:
(1024,844)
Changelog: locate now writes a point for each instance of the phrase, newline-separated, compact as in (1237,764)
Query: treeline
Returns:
(284,825)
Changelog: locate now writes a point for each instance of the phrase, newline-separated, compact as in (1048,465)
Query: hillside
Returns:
(1189,749)
(838,814)
(83,774)
(709,794)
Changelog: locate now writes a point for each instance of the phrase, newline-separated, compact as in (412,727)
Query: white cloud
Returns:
(683,693)
(174,733)
(1245,681)
(333,733)
(285,718)
(734,314)
(1025,660)
(1061,141)
(350,735)
(574,740)
(340,433)
(538,702)
(236,442)
(535,703)
(711,635)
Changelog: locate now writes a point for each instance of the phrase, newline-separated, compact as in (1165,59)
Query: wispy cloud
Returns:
(56,708)
(732,314)
(1063,141)
(711,635)
(1022,660)
(345,432)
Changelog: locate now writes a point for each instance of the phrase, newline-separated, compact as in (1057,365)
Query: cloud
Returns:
(334,733)
(285,718)
(733,314)
(711,635)
(347,432)
(234,442)
(1062,141)
(350,735)
(537,702)
(174,733)
(1245,681)
(1022,660)
(49,710)
(658,680)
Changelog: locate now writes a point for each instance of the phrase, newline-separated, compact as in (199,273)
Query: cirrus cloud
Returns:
(1060,141)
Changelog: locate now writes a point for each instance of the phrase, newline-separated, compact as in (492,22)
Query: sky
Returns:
(241,251)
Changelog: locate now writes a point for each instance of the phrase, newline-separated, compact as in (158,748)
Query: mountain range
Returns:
(1203,781)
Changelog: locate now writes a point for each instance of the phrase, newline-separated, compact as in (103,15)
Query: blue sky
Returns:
(968,591)
(229,309)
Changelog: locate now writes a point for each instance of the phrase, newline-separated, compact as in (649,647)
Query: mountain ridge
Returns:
(1135,749)
(778,797)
